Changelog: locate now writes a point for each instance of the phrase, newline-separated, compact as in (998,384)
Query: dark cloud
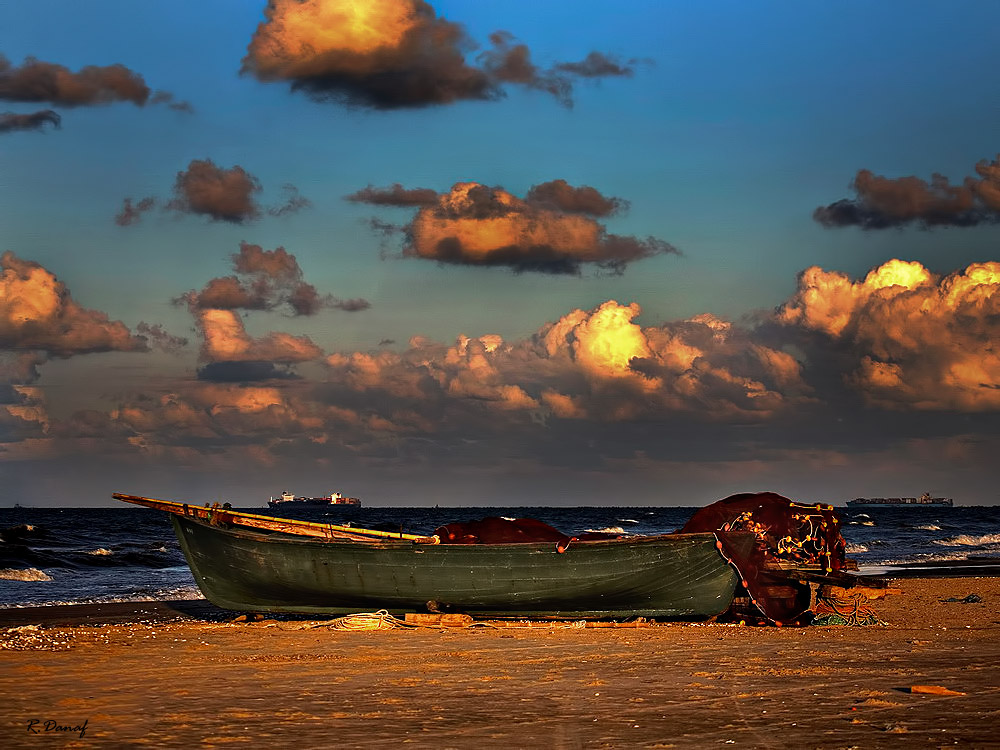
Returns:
(394,195)
(351,305)
(220,194)
(293,202)
(278,264)
(165,97)
(11,121)
(230,293)
(510,62)
(159,338)
(552,230)
(132,212)
(20,367)
(245,372)
(207,189)
(598,65)
(884,202)
(38,81)
(266,280)
(397,53)
(559,194)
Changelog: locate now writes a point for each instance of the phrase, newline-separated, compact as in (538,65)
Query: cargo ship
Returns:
(924,500)
(287,499)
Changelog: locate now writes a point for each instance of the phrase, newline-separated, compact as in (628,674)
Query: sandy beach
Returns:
(183,674)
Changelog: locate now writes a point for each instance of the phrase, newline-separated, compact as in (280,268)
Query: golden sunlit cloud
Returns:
(596,365)
(552,230)
(37,313)
(919,340)
(397,53)
(225,339)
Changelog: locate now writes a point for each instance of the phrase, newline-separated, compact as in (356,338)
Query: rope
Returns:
(380,620)
(831,610)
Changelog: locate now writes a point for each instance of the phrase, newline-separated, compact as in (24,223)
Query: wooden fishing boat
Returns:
(247,562)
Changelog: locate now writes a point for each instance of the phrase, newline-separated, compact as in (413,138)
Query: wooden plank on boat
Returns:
(450,620)
(219,515)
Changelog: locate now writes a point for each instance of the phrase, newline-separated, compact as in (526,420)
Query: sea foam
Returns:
(27,574)
(967,540)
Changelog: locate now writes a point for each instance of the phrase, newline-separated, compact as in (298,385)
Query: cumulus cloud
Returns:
(38,81)
(221,194)
(218,193)
(38,313)
(225,339)
(11,121)
(909,338)
(552,230)
(884,202)
(589,365)
(397,53)
(595,386)
(265,280)
(214,414)
(560,195)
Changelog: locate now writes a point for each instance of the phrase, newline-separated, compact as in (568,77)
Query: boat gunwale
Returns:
(287,537)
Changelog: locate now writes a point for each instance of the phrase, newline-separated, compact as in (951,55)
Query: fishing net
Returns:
(789,538)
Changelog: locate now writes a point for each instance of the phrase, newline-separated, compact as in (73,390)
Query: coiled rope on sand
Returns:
(380,620)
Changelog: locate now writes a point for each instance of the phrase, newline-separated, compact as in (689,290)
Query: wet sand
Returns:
(182,674)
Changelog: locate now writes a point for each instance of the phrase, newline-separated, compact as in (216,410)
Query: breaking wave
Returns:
(188,593)
(27,574)
(967,540)
(607,530)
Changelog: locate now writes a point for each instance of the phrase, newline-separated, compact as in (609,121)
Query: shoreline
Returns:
(185,673)
(113,613)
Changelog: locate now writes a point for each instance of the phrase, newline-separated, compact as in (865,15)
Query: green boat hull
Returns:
(674,576)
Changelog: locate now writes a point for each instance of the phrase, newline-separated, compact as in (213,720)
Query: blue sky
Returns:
(734,124)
